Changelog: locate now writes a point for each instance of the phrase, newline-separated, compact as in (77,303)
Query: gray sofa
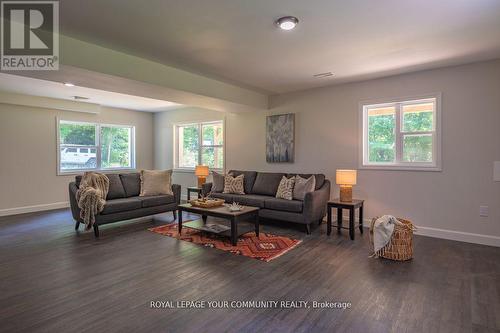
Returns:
(123,201)
(260,191)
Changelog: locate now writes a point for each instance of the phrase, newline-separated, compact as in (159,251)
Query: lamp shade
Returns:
(201,171)
(346,177)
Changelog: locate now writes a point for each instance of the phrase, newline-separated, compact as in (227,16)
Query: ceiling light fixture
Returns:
(287,22)
(69,84)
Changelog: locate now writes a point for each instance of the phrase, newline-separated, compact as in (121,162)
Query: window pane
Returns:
(74,134)
(418,117)
(417,148)
(213,135)
(213,157)
(188,146)
(77,134)
(72,159)
(116,147)
(381,137)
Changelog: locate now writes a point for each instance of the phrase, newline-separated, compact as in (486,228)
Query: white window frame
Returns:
(97,147)
(399,164)
(200,144)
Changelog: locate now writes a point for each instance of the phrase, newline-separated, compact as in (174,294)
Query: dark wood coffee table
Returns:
(246,214)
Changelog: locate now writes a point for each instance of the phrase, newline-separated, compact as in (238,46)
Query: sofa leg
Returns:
(77,225)
(308,229)
(175,214)
(96,231)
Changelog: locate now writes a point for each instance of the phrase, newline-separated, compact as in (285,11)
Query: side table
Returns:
(340,205)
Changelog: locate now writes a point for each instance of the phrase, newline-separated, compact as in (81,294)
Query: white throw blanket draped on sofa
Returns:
(91,196)
(383,228)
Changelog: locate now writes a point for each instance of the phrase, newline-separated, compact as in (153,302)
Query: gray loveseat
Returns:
(123,201)
(260,191)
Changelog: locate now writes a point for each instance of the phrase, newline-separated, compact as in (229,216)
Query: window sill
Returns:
(80,172)
(401,168)
(183,170)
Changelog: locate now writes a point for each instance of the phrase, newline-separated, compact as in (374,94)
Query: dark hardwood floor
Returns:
(56,280)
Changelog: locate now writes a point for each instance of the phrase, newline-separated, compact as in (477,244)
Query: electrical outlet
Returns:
(483,211)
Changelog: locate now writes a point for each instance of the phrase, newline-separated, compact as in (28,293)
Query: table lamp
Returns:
(201,171)
(346,179)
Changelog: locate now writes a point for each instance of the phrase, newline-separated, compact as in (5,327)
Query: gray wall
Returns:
(28,153)
(327,132)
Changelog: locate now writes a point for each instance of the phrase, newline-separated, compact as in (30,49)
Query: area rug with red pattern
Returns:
(266,247)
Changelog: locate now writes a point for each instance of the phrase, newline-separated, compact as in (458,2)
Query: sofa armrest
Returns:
(206,188)
(75,211)
(177,192)
(315,203)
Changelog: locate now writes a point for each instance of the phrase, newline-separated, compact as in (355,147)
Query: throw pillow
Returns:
(116,190)
(217,182)
(234,185)
(303,186)
(156,182)
(285,188)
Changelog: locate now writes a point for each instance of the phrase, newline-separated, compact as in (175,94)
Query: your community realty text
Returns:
(265,304)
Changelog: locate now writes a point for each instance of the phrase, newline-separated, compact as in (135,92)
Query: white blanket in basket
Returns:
(382,231)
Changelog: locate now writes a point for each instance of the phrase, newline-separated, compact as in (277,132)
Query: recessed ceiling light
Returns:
(69,84)
(287,22)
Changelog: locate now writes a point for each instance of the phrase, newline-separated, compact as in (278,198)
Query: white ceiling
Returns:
(236,40)
(37,87)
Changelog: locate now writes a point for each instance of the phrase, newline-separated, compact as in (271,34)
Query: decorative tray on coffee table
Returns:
(206,203)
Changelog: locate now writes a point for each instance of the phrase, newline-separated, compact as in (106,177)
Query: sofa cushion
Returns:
(157,200)
(121,205)
(131,184)
(266,183)
(156,182)
(78,180)
(303,186)
(253,200)
(116,190)
(248,180)
(285,188)
(294,206)
(234,184)
(217,182)
(226,196)
(320,178)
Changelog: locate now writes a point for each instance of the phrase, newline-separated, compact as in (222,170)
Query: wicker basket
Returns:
(211,203)
(400,247)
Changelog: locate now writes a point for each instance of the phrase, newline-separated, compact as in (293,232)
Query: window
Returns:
(201,143)
(402,135)
(90,146)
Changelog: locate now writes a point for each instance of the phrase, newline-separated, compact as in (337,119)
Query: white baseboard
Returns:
(35,208)
(459,236)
